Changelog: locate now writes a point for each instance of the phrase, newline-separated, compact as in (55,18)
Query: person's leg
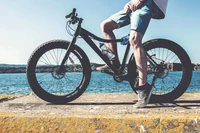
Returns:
(143,89)
(140,55)
(117,20)
(139,22)
(107,28)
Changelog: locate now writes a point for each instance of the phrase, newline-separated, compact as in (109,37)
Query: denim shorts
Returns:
(138,19)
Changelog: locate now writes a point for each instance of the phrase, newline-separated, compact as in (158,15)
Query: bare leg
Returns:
(140,56)
(107,28)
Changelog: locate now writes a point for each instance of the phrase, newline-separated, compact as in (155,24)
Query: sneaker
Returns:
(107,68)
(103,68)
(144,93)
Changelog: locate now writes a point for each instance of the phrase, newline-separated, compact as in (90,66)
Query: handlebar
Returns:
(73,15)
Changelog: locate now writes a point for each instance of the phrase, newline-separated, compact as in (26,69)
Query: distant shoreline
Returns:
(12,68)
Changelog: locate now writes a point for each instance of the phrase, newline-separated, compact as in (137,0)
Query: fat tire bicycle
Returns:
(59,71)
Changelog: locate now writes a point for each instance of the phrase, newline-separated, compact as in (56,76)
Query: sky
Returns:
(26,24)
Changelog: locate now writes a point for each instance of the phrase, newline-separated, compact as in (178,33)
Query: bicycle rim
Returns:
(174,75)
(51,85)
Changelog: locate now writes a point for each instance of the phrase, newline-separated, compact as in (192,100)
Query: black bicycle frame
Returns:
(86,35)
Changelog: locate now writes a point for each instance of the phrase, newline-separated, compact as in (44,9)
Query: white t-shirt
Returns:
(162,4)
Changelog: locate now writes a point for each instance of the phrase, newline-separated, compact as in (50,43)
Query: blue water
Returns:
(100,83)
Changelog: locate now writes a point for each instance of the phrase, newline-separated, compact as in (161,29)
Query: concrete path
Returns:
(99,113)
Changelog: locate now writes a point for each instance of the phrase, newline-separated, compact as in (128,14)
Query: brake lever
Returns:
(68,16)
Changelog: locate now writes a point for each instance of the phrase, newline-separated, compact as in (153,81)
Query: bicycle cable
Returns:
(68,28)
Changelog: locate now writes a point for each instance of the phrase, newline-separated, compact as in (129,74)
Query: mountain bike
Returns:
(59,71)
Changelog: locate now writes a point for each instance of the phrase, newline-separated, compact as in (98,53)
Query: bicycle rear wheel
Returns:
(52,86)
(174,71)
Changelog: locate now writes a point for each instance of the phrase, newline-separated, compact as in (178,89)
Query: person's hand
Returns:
(135,4)
(128,7)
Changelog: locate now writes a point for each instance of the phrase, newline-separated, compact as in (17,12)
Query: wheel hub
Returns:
(163,74)
(161,71)
(117,78)
(57,75)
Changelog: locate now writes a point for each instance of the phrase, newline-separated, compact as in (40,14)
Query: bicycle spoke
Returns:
(59,84)
(52,57)
(166,84)
(48,59)
(163,54)
(45,61)
(176,60)
(60,55)
(56,59)
(168,56)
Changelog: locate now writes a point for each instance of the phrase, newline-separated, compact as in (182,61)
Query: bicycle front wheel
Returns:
(51,85)
(173,72)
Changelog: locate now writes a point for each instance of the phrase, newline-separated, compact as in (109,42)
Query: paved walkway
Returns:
(99,113)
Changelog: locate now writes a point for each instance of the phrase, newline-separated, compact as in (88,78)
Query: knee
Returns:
(106,26)
(135,42)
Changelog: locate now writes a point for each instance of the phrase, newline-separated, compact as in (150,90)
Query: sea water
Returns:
(100,83)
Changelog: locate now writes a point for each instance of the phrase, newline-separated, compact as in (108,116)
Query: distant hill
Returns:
(12,68)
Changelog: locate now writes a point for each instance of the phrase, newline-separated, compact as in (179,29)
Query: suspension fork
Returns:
(61,68)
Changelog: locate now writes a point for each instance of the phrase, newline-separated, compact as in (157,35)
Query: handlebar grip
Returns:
(73,13)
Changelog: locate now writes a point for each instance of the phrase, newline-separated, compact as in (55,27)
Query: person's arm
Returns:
(136,4)
(127,7)
(133,5)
